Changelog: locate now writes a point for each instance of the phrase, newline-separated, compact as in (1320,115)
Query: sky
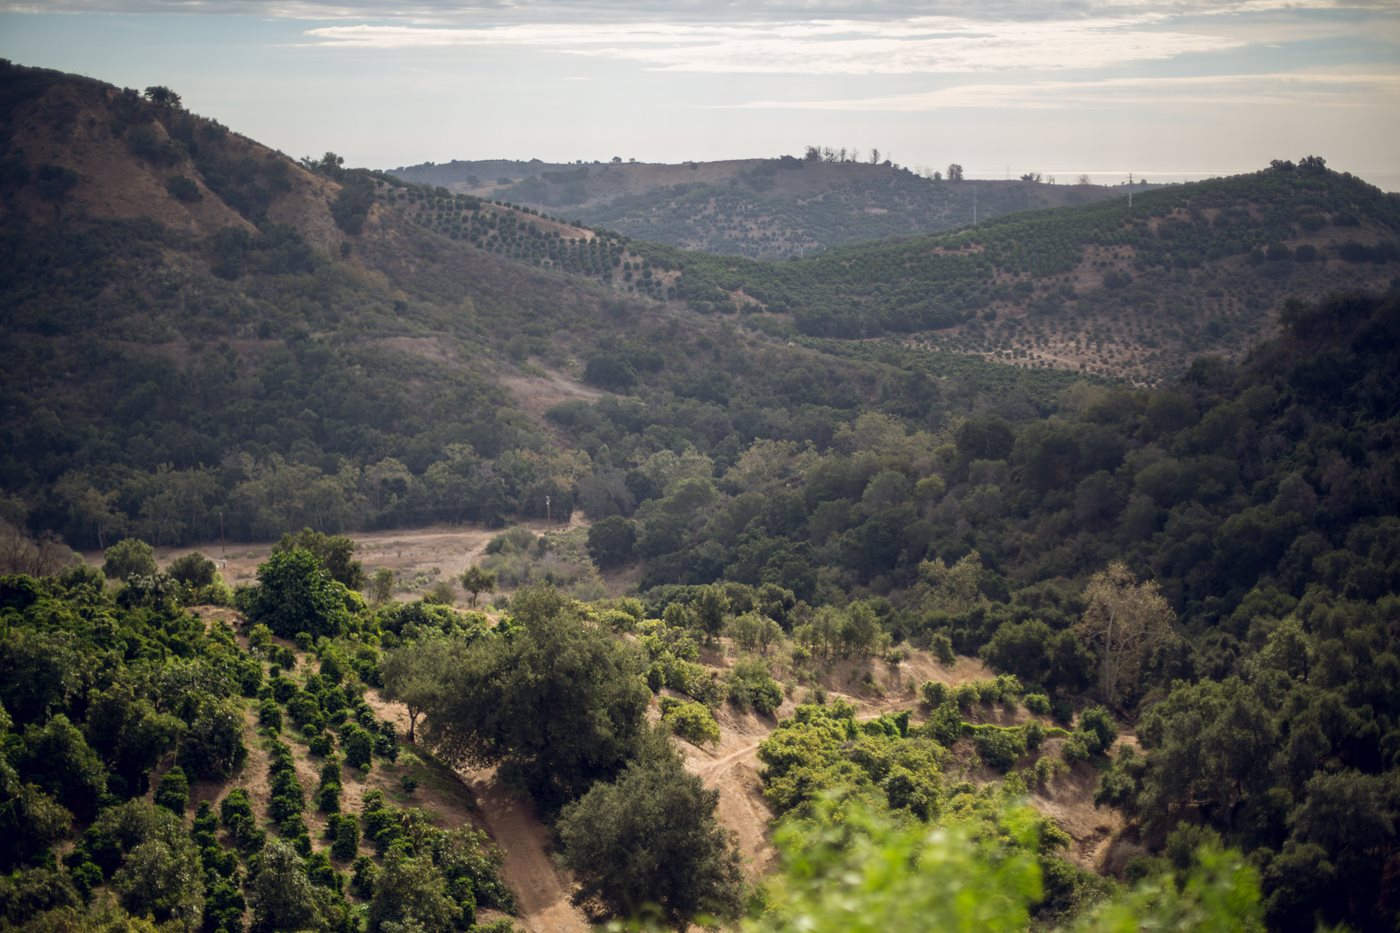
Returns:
(1166,89)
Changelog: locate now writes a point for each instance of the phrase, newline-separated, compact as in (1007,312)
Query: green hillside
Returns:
(1118,290)
(1111,649)
(761,208)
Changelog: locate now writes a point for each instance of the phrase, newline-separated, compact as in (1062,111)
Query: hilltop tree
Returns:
(335,552)
(162,96)
(955,172)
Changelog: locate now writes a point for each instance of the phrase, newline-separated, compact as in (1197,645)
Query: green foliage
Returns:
(213,745)
(173,792)
(691,721)
(822,747)
(751,686)
(412,892)
(649,841)
(560,697)
(280,894)
(612,541)
(477,581)
(128,558)
(336,553)
(999,747)
(296,593)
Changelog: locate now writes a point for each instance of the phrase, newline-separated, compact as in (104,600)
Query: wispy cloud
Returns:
(497,11)
(922,45)
(1238,89)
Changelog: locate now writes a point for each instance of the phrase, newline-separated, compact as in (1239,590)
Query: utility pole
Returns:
(548,513)
(222,555)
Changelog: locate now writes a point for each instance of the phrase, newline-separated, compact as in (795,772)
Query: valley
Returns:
(384,552)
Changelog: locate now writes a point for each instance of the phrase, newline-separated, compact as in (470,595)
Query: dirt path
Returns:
(541,894)
(541,890)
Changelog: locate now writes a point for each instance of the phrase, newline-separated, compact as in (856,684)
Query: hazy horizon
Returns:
(1107,86)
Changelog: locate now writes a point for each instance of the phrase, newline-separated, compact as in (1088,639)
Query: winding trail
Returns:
(541,895)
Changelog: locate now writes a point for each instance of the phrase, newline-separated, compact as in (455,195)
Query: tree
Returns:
(416,673)
(162,96)
(381,586)
(612,541)
(193,569)
(127,558)
(710,607)
(295,594)
(650,840)
(162,878)
(335,552)
(58,759)
(412,894)
(559,696)
(213,746)
(955,172)
(1123,620)
(477,581)
(280,894)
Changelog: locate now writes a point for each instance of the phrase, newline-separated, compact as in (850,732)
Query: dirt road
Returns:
(541,891)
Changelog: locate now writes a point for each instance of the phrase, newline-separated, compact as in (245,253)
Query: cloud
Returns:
(919,45)
(1213,90)
(452,12)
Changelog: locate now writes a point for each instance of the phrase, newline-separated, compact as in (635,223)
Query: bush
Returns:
(752,687)
(966,696)
(174,791)
(935,694)
(127,558)
(1098,729)
(270,715)
(942,647)
(691,721)
(1075,749)
(998,747)
(358,745)
(328,798)
(344,830)
(1037,703)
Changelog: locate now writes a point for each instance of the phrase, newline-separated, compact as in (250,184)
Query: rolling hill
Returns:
(761,208)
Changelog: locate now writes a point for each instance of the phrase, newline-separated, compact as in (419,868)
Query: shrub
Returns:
(691,721)
(1000,748)
(1037,703)
(174,791)
(1075,749)
(752,687)
(942,647)
(344,829)
(1098,729)
(1048,768)
(364,876)
(358,745)
(966,696)
(1035,735)
(935,694)
(328,798)
(270,715)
